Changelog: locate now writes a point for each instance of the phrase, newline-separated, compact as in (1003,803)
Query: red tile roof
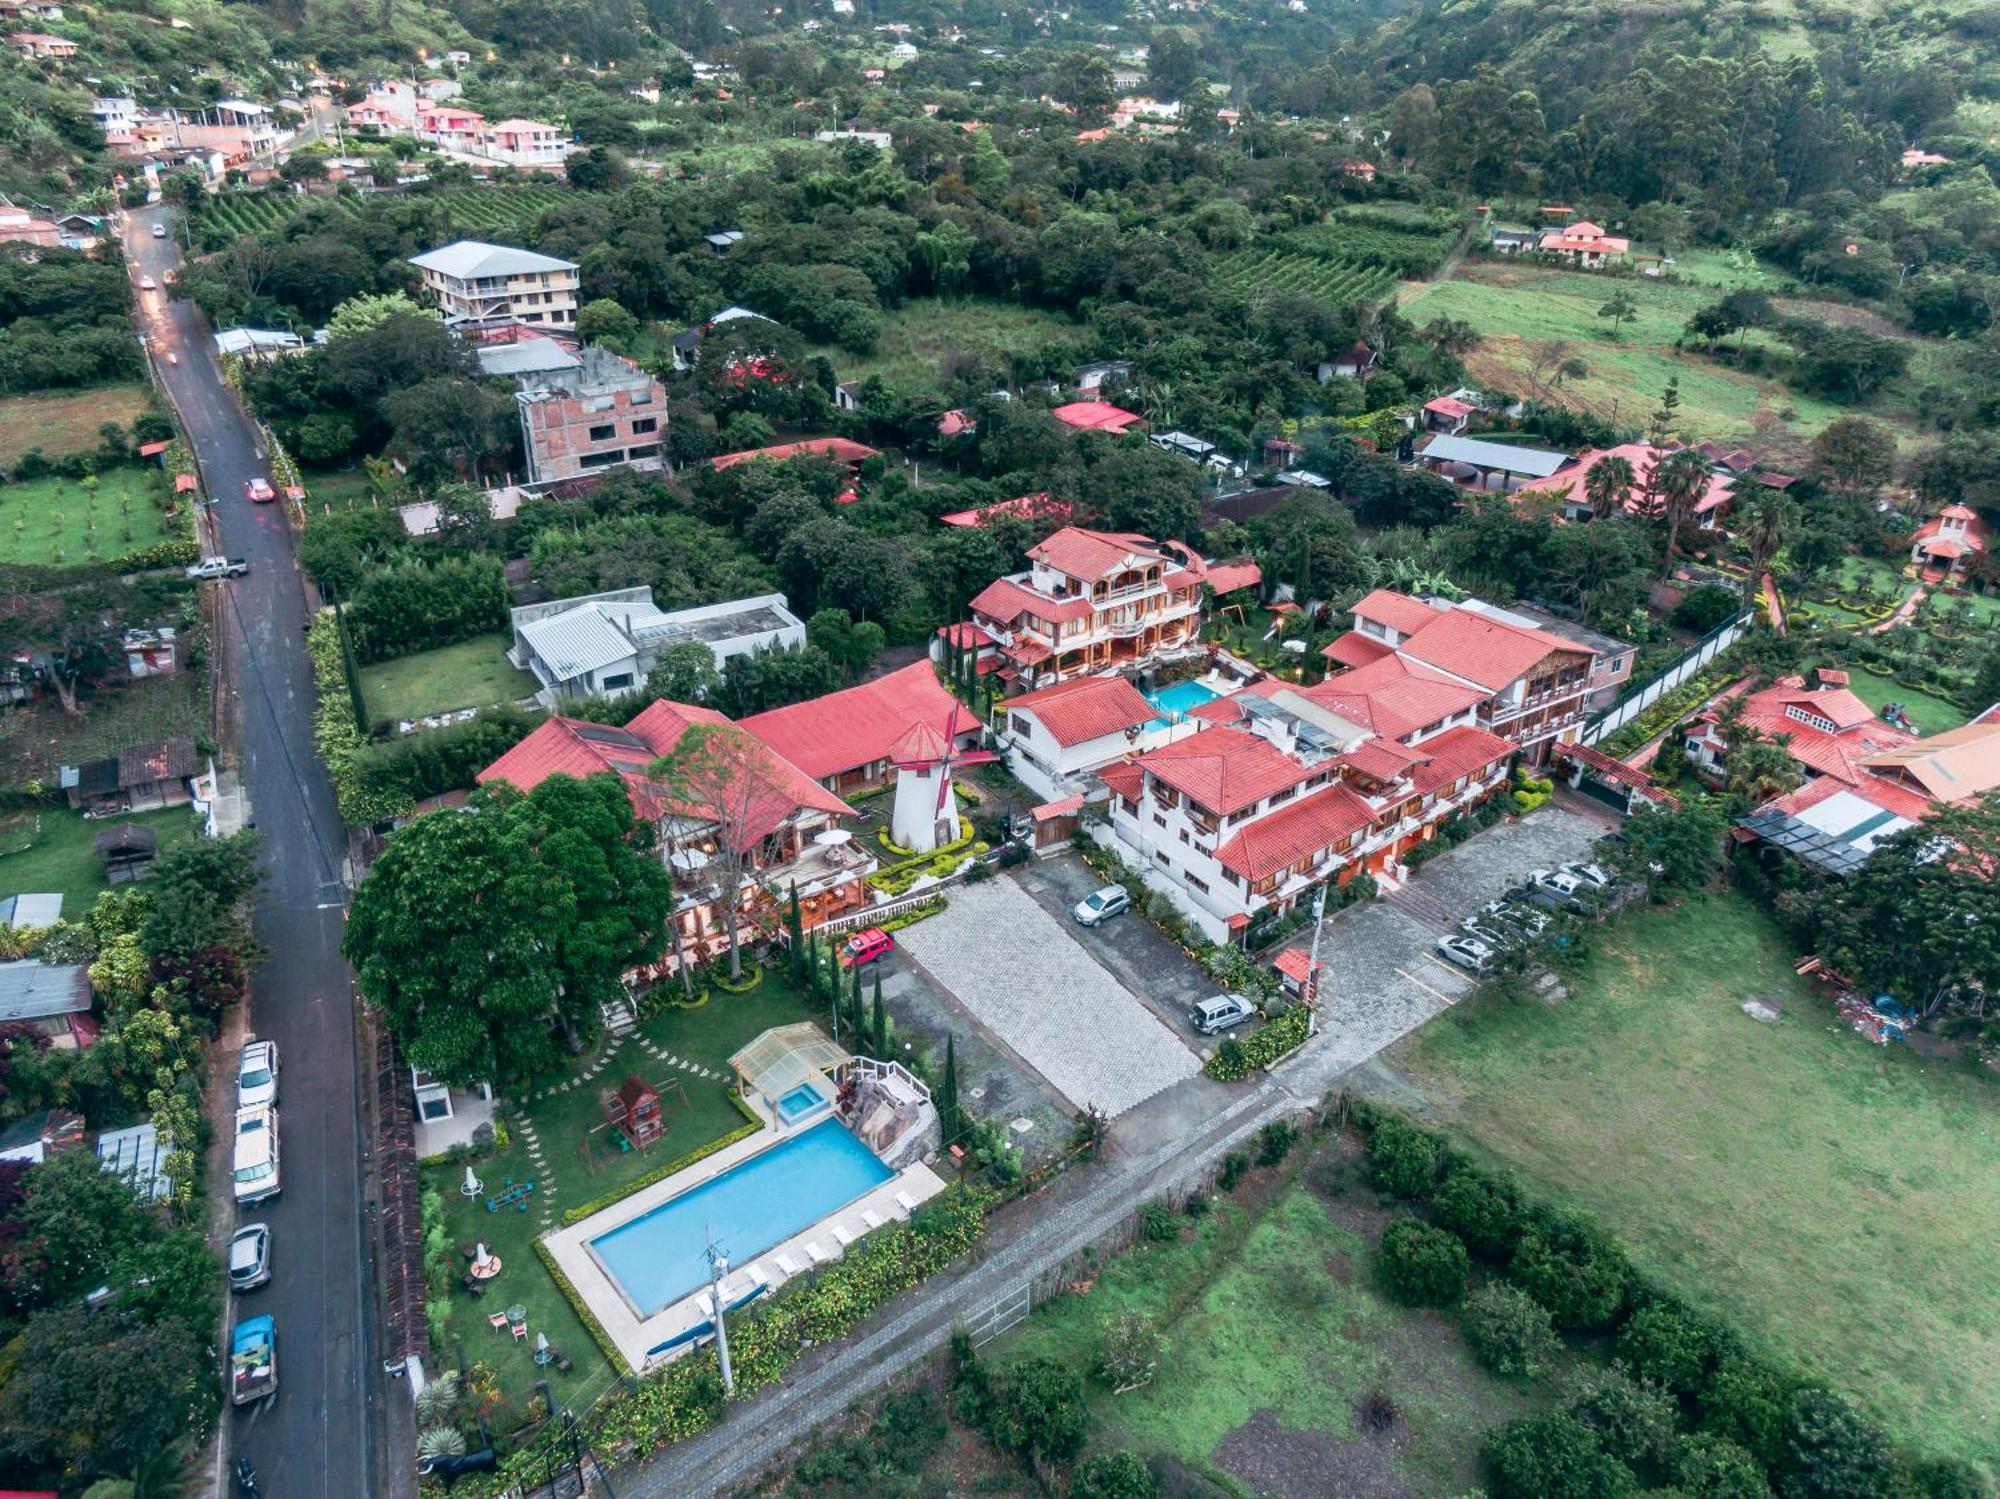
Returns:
(1885,794)
(1482,649)
(1307,827)
(1382,759)
(1095,416)
(838,449)
(1041,505)
(1124,779)
(1295,963)
(1083,553)
(1610,768)
(1457,752)
(1067,806)
(1446,406)
(1569,483)
(1005,599)
(1356,649)
(1398,611)
(1086,708)
(1394,696)
(966,634)
(1227,577)
(843,731)
(1857,732)
(1224,770)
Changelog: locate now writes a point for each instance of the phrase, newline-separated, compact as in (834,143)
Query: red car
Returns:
(260,491)
(866,947)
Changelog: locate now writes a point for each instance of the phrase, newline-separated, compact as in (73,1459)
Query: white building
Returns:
(1058,738)
(608,642)
(529,145)
(475,282)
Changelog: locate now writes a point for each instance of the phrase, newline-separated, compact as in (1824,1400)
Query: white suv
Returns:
(255,1163)
(257,1074)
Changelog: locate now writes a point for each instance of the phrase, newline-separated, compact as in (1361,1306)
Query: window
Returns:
(1617,665)
(645,424)
(1285,795)
(1159,821)
(604,433)
(616,682)
(1196,881)
(1184,836)
(649,450)
(600,460)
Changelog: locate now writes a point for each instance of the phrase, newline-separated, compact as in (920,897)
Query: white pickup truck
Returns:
(218,567)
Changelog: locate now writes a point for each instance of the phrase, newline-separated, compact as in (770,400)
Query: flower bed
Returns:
(1263,1046)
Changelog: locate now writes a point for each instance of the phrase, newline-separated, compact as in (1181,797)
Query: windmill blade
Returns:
(944,785)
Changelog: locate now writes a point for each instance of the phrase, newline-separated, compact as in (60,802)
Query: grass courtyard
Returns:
(66,423)
(474,673)
(917,335)
(1834,1200)
(1930,713)
(577,1166)
(64,522)
(47,849)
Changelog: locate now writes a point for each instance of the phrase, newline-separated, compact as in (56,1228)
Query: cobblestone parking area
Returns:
(1018,971)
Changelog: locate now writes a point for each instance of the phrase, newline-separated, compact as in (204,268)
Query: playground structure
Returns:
(634,1114)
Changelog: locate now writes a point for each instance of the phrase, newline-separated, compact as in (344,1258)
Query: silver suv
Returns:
(1220,1012)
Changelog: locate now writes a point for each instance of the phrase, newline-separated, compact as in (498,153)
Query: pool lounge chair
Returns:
(844,1234)
(789,1265)
(906,1202)
(871,1219)
(816,1252)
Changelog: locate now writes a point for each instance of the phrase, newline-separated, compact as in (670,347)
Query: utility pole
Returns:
(718,1266)
(1312,965)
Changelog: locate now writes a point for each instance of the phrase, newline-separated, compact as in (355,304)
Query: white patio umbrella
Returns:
(471,1186)
(541,1342)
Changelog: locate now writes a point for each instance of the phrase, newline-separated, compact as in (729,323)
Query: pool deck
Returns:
(823,1242)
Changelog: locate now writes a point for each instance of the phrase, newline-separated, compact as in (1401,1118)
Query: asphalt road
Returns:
(318,1438)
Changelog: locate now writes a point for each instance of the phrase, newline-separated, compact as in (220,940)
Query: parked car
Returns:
(1493,934)
(250,1257)
(257,1074)
(260,491)
(147,283)
(1571,892)
(1592,875)
(1102,905)
(1528,921)
(866,947)
(253,1360)
(159,231)
(1220,1012)
(1466,952)
(255,1160)
(212,568)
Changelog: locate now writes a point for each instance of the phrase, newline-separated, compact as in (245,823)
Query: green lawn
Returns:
(1834,1200)
(578,1166)
(925,329)
(1730,270)
(66,422)
(58,857)
(1931,715)
(66,521)
(1518,308)
(1272,1313)
(474,673)
(337,488)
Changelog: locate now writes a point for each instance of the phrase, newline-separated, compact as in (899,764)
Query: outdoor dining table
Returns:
(517,1313)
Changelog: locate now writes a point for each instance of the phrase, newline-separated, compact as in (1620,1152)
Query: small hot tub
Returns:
(802,1102)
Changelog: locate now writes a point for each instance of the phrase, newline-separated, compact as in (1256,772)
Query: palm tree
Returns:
(1680,480)
(1764,521)
(1608,485)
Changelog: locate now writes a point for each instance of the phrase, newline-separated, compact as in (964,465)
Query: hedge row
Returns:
(1263,1046)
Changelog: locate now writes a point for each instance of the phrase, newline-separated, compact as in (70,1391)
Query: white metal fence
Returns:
(1630,706)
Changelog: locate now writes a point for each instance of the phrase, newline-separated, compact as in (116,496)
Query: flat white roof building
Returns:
(608,642)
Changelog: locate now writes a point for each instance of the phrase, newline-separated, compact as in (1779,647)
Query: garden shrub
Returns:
(1036,1410)
(1832,1451)
(1261,1047)
(1275,1141)
(1419,1265)
(1404,1158)
(1112,1475)
(1554,1456)
(1158,1223)
(1944,1478)
(1668,1344)
(1483,1210)
(1747,1401)
(1235,1166)
(1573,1267)
(1704,1466)
(1509,1330)
(1129,1353)
(1635,1421)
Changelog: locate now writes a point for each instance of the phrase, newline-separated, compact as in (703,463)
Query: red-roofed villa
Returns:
(1943,545)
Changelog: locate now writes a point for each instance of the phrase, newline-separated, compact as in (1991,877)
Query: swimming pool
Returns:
(662,1256)
(802,1102)
(1176,701)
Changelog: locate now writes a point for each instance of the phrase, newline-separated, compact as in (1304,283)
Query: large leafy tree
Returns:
(1921,919)
(478,934)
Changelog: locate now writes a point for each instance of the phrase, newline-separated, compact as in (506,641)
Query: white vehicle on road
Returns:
(1102,905)
(217,567)
(159,231)
(1466,952)
(254,1163)
(257,1074)
(147,283)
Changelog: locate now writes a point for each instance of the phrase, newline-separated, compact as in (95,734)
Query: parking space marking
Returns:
(1455,972)
(1434,994)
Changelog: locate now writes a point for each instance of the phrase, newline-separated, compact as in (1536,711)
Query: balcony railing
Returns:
(1129,591)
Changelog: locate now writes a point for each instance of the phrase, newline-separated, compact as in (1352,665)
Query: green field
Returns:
(337,488)
(65,522)
(1931,715)
(474,673)
(1270,1321)
(579,1165)
(925,329)
(1731,270)
(58,857)
(1273,273)
(67,423)
(1518,308)
(1834,1200)
(494,210)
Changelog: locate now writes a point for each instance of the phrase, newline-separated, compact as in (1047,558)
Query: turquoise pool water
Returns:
(1175,701)
(751,1207)
(803,1100)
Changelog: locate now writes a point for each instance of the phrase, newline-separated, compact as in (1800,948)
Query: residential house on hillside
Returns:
(526,145)
(603,411)
(1357,363)
(20,227)
(1059,736)
(1292,788)
(1039,506)
(1447,414)
(40,46)
(1611,659)
(139,778)
(1825,727)
(844,740)
(49,1000)
(1463,662)
(1090,378)
(474,282)
(778,812)
(609,642)
(1094,602)
(1585,244)
(1097,416)
(1507,239)
(1570,484)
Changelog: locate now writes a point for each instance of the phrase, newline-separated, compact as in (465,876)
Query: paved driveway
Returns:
(1021,973)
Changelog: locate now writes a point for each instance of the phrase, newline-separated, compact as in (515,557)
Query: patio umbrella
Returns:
(471,1186)
(541,1342)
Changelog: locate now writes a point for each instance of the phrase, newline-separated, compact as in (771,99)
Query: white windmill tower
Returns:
(926,813)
